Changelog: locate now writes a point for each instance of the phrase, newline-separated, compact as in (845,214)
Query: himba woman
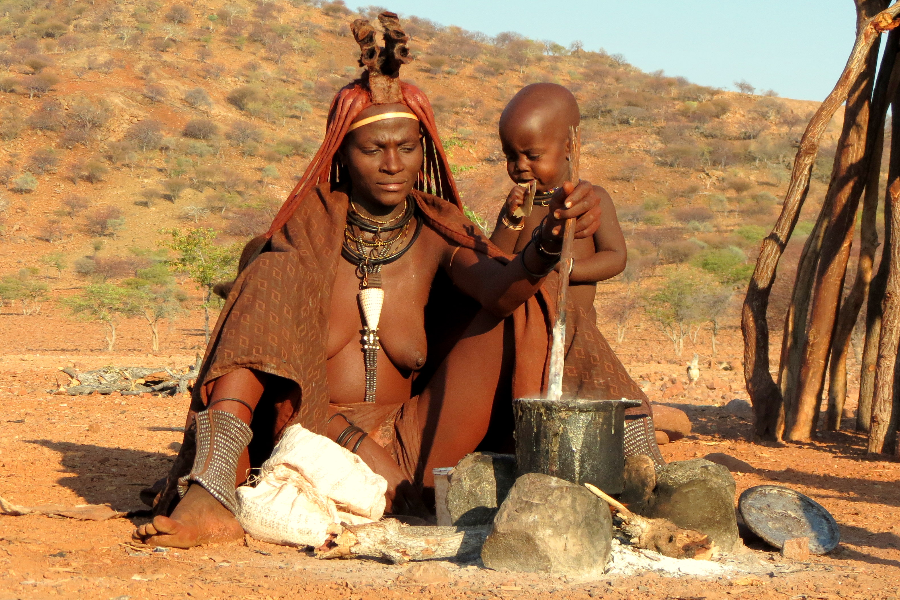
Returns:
(372,240)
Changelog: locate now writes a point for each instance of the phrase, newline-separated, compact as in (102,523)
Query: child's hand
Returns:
(515,200)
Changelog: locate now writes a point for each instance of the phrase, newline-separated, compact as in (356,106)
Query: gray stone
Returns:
(548,525)
(697,494)
(478,486)
(640,480)
(739,408)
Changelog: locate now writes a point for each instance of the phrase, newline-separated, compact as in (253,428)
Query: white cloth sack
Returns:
(308,485)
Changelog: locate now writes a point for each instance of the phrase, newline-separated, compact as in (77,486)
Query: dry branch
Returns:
(398,543)
(659,535)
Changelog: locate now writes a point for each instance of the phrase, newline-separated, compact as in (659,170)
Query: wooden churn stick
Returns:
(558,348)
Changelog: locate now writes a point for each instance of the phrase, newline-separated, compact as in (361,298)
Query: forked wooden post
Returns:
(558,349)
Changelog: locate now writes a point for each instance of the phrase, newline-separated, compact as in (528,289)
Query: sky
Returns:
(797,48)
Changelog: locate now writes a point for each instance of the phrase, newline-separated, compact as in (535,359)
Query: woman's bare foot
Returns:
(198,519)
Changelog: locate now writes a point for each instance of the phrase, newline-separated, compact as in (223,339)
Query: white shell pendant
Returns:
(371,299)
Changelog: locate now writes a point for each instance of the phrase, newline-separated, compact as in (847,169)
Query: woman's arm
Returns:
(503,288)
(610,254)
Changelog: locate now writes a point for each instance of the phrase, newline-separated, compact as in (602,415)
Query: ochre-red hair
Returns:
(434,177)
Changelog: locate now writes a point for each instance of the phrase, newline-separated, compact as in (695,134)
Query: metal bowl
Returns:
(777,514)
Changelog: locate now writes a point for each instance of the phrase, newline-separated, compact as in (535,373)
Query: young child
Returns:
(534,133)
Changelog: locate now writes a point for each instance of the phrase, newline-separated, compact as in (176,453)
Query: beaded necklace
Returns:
(543,198)
(369,255)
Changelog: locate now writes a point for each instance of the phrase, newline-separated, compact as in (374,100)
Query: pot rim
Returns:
(578,404)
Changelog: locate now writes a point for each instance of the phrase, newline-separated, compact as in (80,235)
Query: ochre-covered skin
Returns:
(534,135)
(383,161)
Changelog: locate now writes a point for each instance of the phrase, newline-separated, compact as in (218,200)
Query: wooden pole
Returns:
(764,393)
(882,400)
(558,349)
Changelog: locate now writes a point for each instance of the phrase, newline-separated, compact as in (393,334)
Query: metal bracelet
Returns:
(347,434)
(221,439)
(238,400)
(537,239)
(359,441)
(532,273)
(510,225)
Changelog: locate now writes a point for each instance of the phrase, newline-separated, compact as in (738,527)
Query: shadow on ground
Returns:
(103,475)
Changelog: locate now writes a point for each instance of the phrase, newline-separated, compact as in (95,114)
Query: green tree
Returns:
(202,260)
(23,287)
(156,297)
(104,302)
(674,307)
(55,260)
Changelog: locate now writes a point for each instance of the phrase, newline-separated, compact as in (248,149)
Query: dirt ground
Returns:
(104,449)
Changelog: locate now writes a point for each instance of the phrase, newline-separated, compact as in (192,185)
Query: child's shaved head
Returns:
(534,132)
(548,105)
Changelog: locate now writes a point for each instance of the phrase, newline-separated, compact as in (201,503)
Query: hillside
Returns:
(122,119)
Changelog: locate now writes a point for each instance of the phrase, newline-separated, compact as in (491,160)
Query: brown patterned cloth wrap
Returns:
(275,320)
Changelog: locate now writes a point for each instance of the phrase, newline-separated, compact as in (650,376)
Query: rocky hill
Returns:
(121,119)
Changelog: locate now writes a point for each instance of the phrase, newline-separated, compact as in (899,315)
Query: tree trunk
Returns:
(111,336)
(882,400)
(873,331)
(847,181)
(764,394)
(849,315)
(878,286)
(795,321)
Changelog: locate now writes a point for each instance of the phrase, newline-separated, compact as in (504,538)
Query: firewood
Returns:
(659,535)
(389,539)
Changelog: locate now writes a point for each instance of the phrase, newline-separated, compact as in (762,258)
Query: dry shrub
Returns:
(738,184)
(200,129)
(49,116)
(677,252)
(197,98)
(700,214)
(147,134)
(243,96)
(155,92)
(74,205)
(52,231)
(118,267)
(248,222)
(104,221)
(43,161)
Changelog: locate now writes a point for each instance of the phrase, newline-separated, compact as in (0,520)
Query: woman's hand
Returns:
(581,202)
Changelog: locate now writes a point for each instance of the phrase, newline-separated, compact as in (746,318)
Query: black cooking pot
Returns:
(577,440)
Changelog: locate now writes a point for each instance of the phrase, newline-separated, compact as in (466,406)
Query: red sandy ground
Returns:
(104,449)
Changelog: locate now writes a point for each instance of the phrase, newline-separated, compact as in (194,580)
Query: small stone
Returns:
(640,479)
(735,465)
(478,486)
(697,494)
(427,573)
(739,408)
(672,421)
(796,549)
(548,525)
(661,438)
(674,390)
